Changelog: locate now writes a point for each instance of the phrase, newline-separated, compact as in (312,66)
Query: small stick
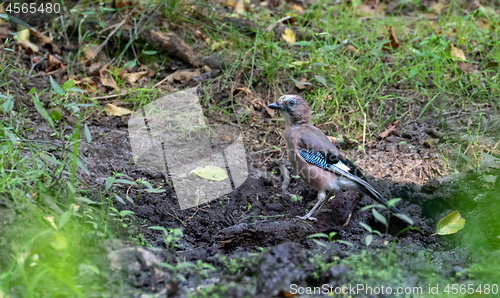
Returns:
(177,217)
(273,25)
(364,133)
(407,171)
(109,96)
(161,82)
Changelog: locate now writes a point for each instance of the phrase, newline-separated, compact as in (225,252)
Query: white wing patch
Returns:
(342,166)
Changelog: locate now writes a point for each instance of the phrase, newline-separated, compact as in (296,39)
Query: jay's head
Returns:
(294,109)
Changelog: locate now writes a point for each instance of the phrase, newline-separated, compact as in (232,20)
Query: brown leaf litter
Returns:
(53,64)
(86,84)
(394,43)
(23,39)
(133,77)
(107,79)
(113,110)
(245,94)
(389,129)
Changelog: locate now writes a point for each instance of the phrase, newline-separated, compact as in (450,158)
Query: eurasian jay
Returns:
(316,160)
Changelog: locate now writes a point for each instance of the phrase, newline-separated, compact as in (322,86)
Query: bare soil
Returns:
(227,226)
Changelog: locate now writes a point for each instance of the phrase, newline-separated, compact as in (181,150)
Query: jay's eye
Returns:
(291,102)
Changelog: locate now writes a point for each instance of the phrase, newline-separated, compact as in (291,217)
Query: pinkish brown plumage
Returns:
(333,171)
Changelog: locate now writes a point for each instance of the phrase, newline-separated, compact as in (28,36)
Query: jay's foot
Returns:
(308,217)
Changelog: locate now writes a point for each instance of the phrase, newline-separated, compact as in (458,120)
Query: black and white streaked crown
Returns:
(317,159)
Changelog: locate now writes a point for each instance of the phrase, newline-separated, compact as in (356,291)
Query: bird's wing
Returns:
(315,148)
(311,138)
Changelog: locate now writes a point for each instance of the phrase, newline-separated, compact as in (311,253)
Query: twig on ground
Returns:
(109,96)
(273,25)
(33,65)
(177,217)
(364,132)
(162,81)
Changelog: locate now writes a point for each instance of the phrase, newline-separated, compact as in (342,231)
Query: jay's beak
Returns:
(275,106)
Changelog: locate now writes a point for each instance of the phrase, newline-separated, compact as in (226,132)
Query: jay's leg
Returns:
(316,208)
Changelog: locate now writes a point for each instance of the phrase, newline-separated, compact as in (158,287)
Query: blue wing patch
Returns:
(317,159)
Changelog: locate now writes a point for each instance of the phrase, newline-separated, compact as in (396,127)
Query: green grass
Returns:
(52,238)
(54,233)
(422,66)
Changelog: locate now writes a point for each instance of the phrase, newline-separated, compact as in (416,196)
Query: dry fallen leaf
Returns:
(231,4)
(51,220)
(2,20)
(23,39)
(90,52)
(457,53)
(200,35)
(53,63)
(297,8)
(94,68)
(183,76)
(389,129)
(352,50)
(113,110)
(240,7)
(467,67)
(370,11)
(43,40)
(134,76)
(108,80)
(431,17)
(289,37)
(287,294)
(123,3)
(269,111)
(150,71)
(86,84)
(4,32)
(394,43)
(332,139)
(302,86)
(438,7)
(483,24)
(254,99)
(220,45)
(242,89)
